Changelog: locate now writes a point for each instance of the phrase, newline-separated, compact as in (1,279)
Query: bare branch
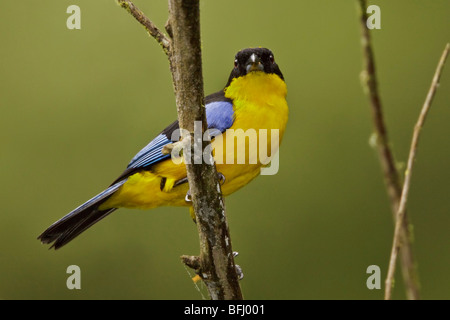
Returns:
(151,28)
(192,262)
(406,185)
(217,267)
(385,155)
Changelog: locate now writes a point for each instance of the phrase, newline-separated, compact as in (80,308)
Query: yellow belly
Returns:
(259,103)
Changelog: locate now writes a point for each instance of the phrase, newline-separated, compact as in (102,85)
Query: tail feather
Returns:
(62,233)
(74,223)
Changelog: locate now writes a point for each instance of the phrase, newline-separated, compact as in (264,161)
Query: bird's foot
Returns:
(221,178)
(188,197)
(239,271)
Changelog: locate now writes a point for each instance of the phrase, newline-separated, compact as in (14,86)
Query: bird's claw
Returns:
(188,197)
(221,178)
(239,271)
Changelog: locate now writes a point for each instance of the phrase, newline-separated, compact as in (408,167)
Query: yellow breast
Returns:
(259,102)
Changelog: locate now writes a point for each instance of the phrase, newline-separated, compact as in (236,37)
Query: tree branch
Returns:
(215,265)
(406,185)
(152,30)
(217,268)
(385,155)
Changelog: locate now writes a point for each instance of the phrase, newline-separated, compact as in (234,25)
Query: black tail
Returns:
(62,232)
(68,227)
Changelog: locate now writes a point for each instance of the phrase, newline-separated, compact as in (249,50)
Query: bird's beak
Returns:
(254,64)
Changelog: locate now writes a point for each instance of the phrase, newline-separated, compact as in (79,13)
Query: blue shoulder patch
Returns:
(219,115)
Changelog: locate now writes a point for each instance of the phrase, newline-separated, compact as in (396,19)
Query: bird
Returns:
(254,98)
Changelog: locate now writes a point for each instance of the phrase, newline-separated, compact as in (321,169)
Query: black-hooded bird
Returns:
(253,100)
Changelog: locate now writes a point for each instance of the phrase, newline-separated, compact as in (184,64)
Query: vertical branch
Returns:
(385,155)
(406,185)
(215,265)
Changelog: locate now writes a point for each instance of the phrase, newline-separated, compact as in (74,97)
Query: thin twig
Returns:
(385,155)
(406,185)
(151,28)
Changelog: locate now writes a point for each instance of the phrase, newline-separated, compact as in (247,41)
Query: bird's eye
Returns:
(271,58)
(236,63)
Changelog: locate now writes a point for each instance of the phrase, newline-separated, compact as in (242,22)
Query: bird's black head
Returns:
(254,60)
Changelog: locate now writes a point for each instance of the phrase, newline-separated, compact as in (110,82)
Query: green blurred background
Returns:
(76,105)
